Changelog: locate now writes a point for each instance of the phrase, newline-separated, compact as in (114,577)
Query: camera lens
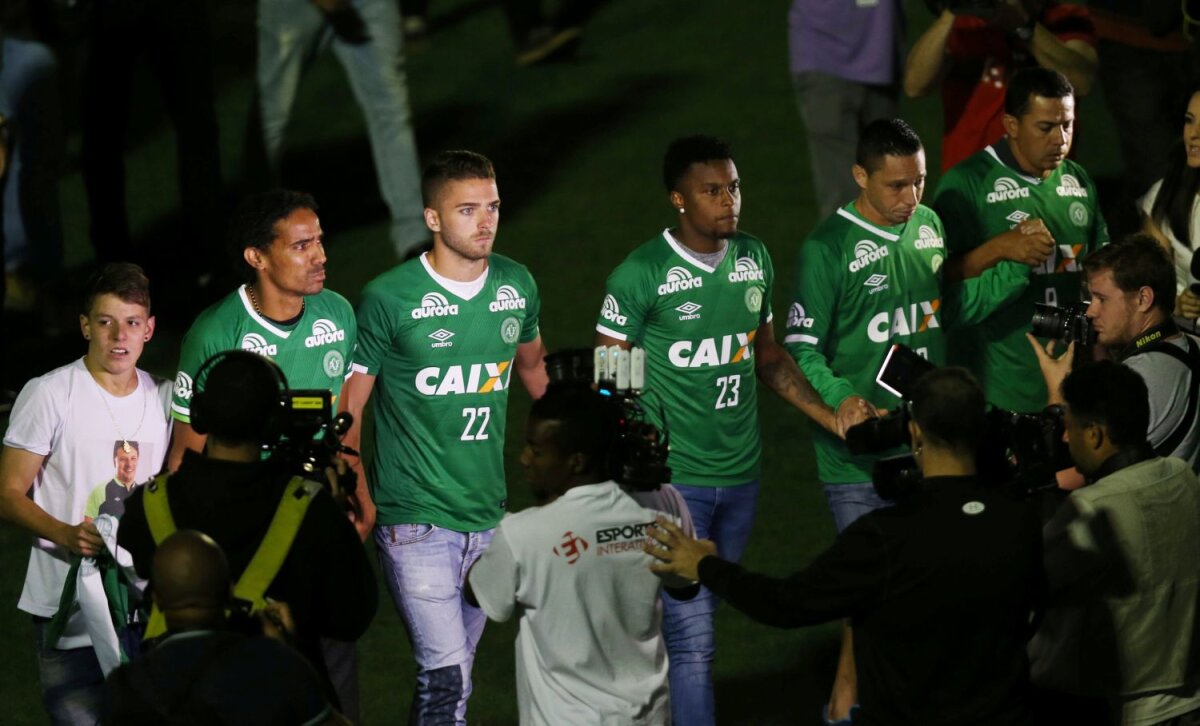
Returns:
(1048,321)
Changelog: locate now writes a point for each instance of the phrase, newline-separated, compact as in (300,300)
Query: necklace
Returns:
(257,309)
(125,445)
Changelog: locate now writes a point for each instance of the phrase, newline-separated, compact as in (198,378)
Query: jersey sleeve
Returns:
(351,328)
(766,314)
(494,578)
(36,421)
(375,332)
(810,320)
(91,509)
(199,345)
(971,301)
(533,312)
(626,303)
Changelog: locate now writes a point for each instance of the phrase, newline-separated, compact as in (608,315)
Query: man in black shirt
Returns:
(939,588)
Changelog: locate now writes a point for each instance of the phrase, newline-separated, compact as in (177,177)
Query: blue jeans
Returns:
(425,567)
(290,34)
(724,515)
(848,502)
(72,683)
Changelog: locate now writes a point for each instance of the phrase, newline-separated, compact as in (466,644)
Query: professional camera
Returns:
(639,457)
(311,435)
(1068,323)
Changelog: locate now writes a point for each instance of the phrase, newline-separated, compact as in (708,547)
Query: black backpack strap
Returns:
(1191,359)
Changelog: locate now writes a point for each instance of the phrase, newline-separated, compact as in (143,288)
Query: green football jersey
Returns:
(697,325)
(315,352)
(859,289)
(984,196)
(444,365)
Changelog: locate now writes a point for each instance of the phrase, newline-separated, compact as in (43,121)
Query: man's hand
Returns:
(677,553)
(1029,243)
(1054,370)
(1187,305)
(82,539)
(853,411)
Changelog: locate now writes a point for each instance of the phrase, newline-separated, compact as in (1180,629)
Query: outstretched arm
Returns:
(355,394)
(778,371)
(18,468)
(531,367)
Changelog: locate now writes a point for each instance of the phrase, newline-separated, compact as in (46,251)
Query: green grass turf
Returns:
(577,148)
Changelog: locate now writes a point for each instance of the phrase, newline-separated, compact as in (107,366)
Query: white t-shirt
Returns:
(62,417)
(1181,253)
(589,647)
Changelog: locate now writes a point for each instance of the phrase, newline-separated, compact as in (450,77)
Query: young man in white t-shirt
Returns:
(59,445)
(590,648)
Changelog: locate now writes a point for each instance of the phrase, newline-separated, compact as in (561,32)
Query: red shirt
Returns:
(982,61)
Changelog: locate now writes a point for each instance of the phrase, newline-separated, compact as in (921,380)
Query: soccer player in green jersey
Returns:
(439,338)
(1021,199)
(697,298)
(870,276)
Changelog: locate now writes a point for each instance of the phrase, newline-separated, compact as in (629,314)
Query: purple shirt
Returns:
(853,39)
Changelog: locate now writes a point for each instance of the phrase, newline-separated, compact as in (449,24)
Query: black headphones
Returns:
(206,413)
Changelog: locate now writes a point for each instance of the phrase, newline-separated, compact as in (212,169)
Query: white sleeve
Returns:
(1146,203)
(494,579)
(36,421)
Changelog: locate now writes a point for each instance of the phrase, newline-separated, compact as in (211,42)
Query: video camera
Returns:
(639,457)
(1020,450)
(311,435)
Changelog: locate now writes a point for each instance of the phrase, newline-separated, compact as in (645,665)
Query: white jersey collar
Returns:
(275,329)
(465,290)
(685,254)
(842,211)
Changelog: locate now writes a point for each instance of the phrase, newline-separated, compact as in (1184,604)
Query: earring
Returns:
(681,210)
(146,339)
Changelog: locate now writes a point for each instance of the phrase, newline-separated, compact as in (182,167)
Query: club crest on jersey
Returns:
(434,305)
(255,343)
(457,379)
(611,311)
(866,253)
(904,320)
(679,278)
(1078,213)
(183,386)
(709,352)
(927,239)
(745,269)
(797,318)
(324,332)
(1069,186)
(507,298)
(1006,188)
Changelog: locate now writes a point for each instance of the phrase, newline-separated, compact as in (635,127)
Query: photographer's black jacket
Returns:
(326,579)
(940,600)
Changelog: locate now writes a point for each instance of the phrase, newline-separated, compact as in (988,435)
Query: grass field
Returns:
(578,149)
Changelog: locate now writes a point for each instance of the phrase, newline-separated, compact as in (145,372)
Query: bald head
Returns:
(191,580)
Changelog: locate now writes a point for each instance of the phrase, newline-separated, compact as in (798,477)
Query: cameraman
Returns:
(939,587)
(1132,286)
(232,495)
(1120,558)
(589,647)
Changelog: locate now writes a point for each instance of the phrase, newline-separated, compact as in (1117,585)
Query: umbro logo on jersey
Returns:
(475,378)
(1017,217)
(611,311)
(866,253)
(183,386)
(745,269)
(876,282)
(1070,187)
(255,343)
(712,351)
(324,332)
(507,298)
(434,305)
(904,320)
(441,338)
(679,278)
(1006,188)
(689,311)
(797,318)
(927,239)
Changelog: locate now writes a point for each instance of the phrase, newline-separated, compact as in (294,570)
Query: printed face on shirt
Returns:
(116,332)
(126,463)
(1041,138)
(710,195)
(464,217)
(890,194)
(294,263)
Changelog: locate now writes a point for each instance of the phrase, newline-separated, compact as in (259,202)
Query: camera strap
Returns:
(1155,341)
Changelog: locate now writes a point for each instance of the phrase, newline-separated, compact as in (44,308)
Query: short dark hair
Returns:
(588,422)
(118,445)
(1037,81)
(253,223)
(885,137)
(454,165)
(124,279)
(688,150)
(241,397)
(1135,262)
(1111,395)
(949,406)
